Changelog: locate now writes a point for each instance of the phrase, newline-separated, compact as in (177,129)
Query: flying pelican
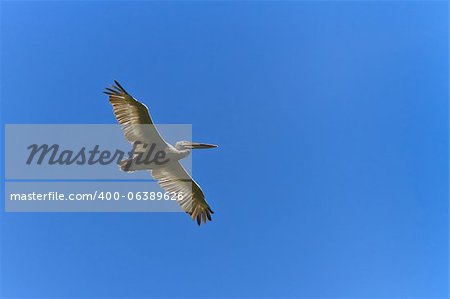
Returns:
(140,131)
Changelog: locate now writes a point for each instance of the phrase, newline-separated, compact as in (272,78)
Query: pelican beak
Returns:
(202,145)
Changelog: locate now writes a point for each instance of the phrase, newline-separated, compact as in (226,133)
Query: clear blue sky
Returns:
(331,179)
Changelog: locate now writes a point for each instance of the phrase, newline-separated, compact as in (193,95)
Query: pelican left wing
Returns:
(133,116)
(174,178)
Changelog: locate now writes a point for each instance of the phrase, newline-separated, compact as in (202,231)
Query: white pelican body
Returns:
(152,153)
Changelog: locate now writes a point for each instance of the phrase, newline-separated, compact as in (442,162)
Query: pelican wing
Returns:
(133,116)
(174,178)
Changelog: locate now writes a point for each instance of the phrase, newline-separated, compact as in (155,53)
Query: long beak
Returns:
(202,145)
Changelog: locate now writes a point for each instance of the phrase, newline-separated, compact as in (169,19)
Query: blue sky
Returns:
(331,179)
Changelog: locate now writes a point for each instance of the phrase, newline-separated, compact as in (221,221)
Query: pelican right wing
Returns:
(133,116)
(174,178)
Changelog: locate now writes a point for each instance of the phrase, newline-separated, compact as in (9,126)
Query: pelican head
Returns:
(184,145)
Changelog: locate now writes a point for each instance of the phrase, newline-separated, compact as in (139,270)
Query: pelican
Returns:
(140,131)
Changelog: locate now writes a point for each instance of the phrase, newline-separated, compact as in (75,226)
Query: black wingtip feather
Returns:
(120,86)
(111,90)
